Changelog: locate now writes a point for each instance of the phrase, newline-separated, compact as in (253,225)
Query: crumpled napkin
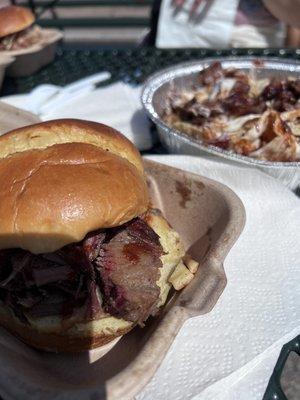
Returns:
(230,352)
(117,105)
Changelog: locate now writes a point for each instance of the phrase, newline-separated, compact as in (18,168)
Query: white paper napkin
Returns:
(117,105)
(250,381)
(213,29)
(230,353)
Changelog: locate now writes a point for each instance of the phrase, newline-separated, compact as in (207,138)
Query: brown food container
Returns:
(30,60)
(209,218)
(12,118)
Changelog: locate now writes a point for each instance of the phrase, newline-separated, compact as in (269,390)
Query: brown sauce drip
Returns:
(185,193)
(131,251)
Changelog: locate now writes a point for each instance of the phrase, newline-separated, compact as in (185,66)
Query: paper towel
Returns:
(212,28)
(230,353)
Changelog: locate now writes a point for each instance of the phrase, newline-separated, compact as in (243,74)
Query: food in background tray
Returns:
(236,111)
(17,30)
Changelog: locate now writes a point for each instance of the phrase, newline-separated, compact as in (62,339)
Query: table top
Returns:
(132,65)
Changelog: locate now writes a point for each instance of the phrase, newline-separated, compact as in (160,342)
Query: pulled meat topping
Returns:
(110,271)
(240,103)
(236,111)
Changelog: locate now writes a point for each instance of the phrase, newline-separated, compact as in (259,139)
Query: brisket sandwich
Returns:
(83,257)
(16,28)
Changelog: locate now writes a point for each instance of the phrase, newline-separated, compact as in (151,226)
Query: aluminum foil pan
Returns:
(184,75)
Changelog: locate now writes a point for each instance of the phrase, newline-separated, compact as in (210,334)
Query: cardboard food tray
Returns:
(29,60)
(12,118)
(209,218)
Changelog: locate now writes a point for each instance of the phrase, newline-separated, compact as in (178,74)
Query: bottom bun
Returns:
(70,341)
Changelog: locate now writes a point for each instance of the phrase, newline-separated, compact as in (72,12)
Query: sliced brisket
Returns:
(112,271)
(129,268)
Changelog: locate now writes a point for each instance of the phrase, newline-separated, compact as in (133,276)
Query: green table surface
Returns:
(132,65)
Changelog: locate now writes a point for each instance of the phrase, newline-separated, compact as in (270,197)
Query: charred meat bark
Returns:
(111,271)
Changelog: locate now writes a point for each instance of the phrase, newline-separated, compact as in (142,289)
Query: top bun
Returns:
(14,19)
(45,134)
(57,188)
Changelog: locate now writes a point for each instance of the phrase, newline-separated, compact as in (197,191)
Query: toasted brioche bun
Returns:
(45,134)
(51,334)
(54,194)
(14,19)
